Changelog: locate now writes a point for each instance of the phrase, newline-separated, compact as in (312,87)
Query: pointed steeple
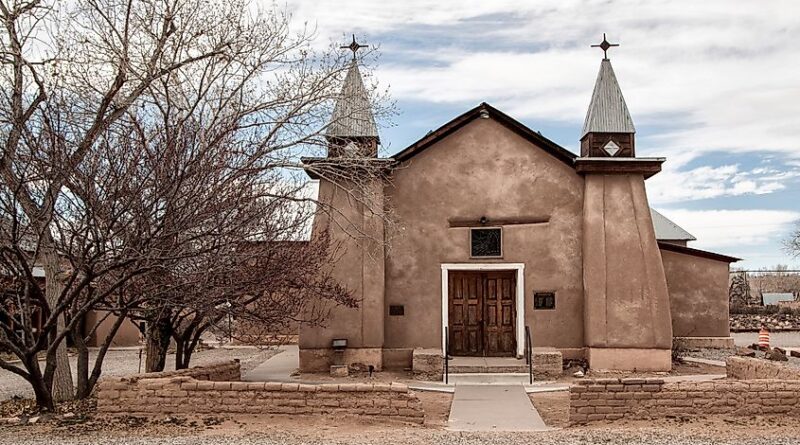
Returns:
(608,112)
(353,122)
(608,128)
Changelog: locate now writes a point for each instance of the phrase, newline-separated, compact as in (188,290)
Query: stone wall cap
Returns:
(399,387)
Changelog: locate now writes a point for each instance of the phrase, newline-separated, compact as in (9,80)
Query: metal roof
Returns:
(607,110)
(352,116)
(774,298)
(667,230)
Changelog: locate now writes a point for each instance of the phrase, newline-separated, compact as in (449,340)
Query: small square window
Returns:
(544,300)
(397,309)
(486,242)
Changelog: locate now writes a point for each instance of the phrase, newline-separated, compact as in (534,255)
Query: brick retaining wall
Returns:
(644,399)
(222,371)
(200,391)
(744,368)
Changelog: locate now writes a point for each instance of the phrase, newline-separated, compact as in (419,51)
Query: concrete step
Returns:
(487,365)
(484,378)
(488,369)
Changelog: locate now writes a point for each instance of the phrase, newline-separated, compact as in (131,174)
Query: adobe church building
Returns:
(497,228)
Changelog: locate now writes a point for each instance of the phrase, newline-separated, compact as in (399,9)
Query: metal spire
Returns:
(604,45)
(353,46)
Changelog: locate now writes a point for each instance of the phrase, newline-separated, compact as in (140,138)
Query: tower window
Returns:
(611,148)
(486,243)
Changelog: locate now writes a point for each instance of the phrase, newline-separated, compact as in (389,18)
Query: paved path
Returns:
(278,368)
(493,408)
(705,361)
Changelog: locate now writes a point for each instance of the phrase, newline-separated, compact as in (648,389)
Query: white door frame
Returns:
(520,297)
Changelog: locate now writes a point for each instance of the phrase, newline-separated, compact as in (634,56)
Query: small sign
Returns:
(544,300)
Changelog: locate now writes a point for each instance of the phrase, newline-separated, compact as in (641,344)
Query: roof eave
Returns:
(455,124)
(697,252)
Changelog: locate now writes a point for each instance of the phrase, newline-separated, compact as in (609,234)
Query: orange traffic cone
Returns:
(763,338)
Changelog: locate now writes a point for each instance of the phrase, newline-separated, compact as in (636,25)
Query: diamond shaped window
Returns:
(611,148)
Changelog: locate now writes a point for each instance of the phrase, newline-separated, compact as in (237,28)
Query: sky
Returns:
(713,86)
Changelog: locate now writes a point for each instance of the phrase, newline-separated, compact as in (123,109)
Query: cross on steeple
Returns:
(353,46)
(604,45)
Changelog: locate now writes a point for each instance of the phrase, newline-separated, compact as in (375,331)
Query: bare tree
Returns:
(140,139)
(793,242)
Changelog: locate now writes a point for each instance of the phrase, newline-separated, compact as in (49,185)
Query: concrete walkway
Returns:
(278,368)
(493,408)
(704,361)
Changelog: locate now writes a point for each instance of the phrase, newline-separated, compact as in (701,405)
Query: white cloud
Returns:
(715,229)
(714,75)
(675,185)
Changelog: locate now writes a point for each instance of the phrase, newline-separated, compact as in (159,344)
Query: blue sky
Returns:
(713,86)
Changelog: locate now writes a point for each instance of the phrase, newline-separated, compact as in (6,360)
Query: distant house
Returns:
(669,232)
(775,298)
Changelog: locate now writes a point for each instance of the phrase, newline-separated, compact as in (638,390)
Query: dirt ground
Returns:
(288,430)
(436,406)
(553,407)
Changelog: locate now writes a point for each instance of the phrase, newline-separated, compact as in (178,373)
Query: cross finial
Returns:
(604,45)
(353,46)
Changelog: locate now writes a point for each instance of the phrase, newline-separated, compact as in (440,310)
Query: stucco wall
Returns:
(628,303)
(127,334)
(358,267)
(698,294)
(484,169)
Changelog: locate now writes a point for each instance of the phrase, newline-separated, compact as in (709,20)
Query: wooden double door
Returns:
(482,313)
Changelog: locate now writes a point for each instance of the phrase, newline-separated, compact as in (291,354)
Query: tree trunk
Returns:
(179,352)
(62,379)
(158,337)
(82,367)
(43,393)
(85,388)
(183,353)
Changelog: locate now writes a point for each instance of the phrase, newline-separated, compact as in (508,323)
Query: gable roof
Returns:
(667,230)
(697,252)
(485,110)
(352,115)
(607,112)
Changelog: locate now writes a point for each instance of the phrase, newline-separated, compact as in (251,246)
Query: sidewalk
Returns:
(493,408)
(278,368)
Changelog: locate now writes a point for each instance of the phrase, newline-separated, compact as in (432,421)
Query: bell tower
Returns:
(350,211)
(608,129)
(627,320)
(352,130)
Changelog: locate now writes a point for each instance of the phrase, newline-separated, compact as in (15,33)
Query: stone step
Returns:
(490,369)
(476,378)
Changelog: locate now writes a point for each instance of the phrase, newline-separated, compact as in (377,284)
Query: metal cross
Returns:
(604,45)
(354,46)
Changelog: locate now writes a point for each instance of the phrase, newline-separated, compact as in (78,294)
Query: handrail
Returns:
(529,353)
(446,355)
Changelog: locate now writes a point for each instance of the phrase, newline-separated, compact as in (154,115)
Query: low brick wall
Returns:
(205,393)
(547,363)
(427,364)
(222,371)
(645,399)
(745,368)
